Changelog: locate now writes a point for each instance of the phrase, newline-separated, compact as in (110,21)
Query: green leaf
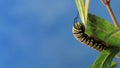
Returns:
(91,66)
(113,65)
(104,60)
(100,28)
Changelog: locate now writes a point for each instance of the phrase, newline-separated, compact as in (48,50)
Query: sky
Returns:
(38,34)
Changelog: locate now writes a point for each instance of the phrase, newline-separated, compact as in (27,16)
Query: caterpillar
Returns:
(79,33)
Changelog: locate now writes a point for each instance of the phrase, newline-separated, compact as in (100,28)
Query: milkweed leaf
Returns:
(103,30)
(113,65)
(104,60)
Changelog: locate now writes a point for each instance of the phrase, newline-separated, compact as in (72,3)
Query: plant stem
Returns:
(107,4)
(117,62)
(112,16)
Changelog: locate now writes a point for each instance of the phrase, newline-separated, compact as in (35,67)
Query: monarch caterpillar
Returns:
(79,33)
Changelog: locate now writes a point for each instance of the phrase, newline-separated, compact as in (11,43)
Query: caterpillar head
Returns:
(79,26)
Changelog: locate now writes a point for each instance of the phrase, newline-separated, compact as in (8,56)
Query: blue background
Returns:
(38,34)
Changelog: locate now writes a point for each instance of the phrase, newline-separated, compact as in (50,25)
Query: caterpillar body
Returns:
(79,33)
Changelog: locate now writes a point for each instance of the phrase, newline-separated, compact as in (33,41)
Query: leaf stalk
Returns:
(107,4)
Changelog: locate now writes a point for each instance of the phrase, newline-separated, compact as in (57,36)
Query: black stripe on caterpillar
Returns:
(79,33)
